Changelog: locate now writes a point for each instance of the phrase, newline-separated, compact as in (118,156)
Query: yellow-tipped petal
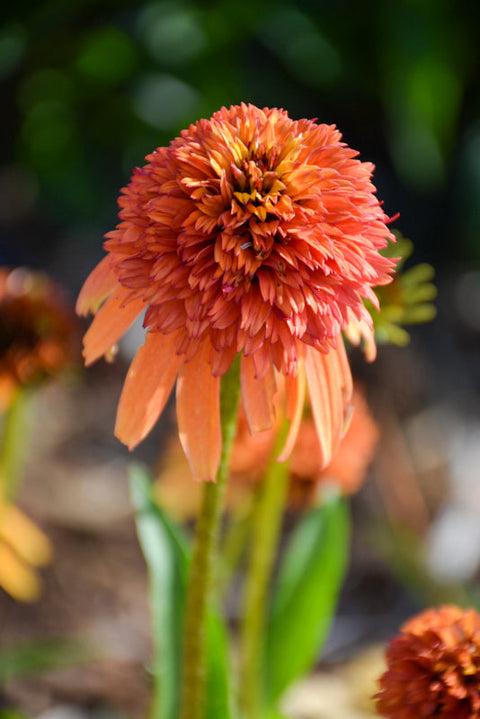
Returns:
(294,399)
(198,414)
(29,542)
(16,577)
(257,396)
(99,284)
(111,321)
(147,387)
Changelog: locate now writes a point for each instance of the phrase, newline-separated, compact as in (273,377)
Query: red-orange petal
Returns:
(257,395)
(99,284)
(198,415)
(111,321)
(295,388)
(147,387)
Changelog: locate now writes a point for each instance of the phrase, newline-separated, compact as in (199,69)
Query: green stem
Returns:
(12,449)
(202,573)
(267,523)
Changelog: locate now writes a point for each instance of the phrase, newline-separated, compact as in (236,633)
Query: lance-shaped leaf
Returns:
(305,595)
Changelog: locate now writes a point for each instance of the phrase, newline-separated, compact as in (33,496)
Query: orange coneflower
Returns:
(37,331)
(251,233)
(433,667)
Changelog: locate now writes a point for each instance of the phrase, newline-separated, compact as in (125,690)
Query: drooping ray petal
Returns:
(147,387)
(198,415)
(99,284)
(344,369)
(257,395)
(295,388)
(335,395)
(111,321)
(319,400)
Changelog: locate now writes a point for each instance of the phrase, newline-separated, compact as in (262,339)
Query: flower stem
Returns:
(202,572)
(267,523)
(12,449)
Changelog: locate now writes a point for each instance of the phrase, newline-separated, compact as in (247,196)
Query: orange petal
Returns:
(344,369)
(294,399)
(111,321)
(257,395)
(319,401)
(330,386)
(99,284)
(147,387)
(198,414)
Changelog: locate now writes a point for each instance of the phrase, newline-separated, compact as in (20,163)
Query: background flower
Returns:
(433,667)
(38,331)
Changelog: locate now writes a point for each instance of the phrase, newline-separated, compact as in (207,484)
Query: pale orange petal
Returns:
(336,396)
(361,332)
(257,395)
(330,387)
(198,414)
(147,387)
(99,284)
(111,321)
(294,399)
(345,371)
(319,401)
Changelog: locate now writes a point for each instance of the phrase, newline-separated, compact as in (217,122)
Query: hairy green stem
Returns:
(202,573)
(267,523)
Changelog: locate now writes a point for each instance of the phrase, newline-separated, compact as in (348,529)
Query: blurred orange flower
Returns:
(251,233)
(37,331)
(433,667)
(251,454)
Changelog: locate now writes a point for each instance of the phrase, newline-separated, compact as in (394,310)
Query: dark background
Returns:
(91,87)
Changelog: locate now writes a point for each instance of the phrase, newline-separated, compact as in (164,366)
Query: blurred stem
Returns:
(234,544)
(205,560)
(14,439)
(267,522)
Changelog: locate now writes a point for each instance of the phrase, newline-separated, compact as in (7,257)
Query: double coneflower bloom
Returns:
(433,667)
(254,234)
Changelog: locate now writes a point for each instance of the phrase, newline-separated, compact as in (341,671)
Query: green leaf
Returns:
(218,704)
(166,555)
(305,594)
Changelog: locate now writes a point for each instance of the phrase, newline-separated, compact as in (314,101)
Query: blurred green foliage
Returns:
(91,86)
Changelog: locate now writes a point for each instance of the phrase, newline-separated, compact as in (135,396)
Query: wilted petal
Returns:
(198,414)
(257,395)
(147,387)
(111,321)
